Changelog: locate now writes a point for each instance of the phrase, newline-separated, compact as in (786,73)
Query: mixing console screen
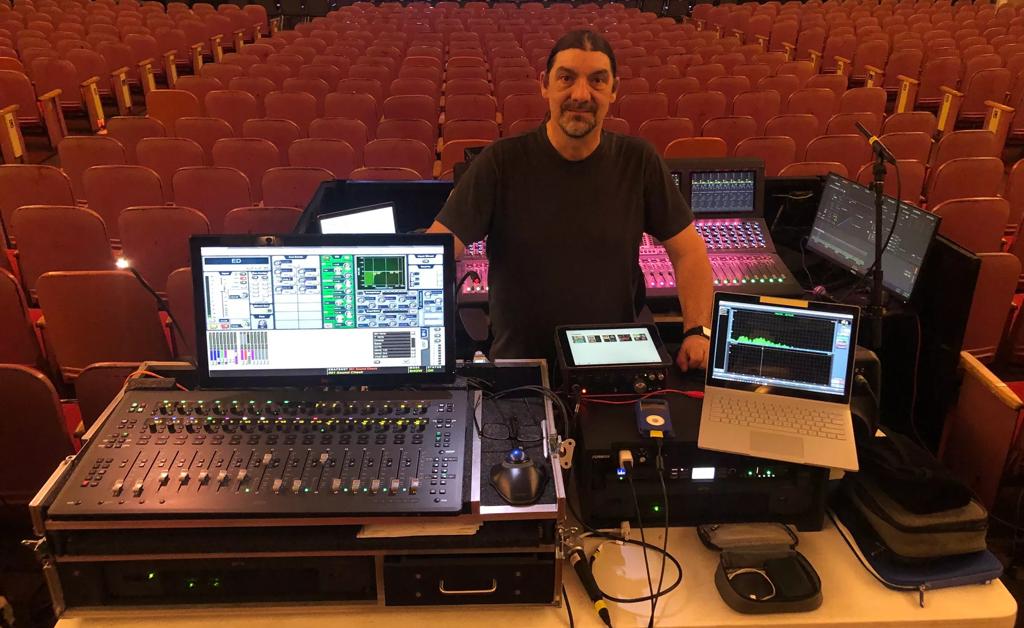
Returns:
(722,191)
(844,232)
(324,310)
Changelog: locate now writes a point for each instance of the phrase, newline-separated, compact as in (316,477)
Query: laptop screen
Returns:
(344,309)
(790,350)
(370,219)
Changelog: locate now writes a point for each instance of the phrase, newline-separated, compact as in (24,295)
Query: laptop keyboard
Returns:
(766,414)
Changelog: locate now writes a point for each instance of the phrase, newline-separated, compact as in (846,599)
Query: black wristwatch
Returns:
(699,330)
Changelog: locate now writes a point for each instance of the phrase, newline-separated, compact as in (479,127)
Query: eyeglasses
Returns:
(752,583)
(512,430)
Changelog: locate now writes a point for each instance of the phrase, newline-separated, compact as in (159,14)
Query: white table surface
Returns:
(851,598)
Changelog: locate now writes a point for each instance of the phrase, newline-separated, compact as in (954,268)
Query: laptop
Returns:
(778,381)
(379,218)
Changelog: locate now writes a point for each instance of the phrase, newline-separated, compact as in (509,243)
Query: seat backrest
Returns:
(334,155)
(213,190)
(776,151)
(129,130)
(964,143)
(701,107)
(300,108)
(97,385)
(402,153)
(32,184)
(292,186)
(979,430)
(204,131)
(813,169)
(690,147)
(155,239)
(18,342)
(281,132)
(384,173)
(802,127)
(59,238)
(990,307)
(977,224)
(907,185)
(34,436)
(79,152)
(167,105)
(965,177)
(362,107)
(83,328)
(250,155)
(110,189)
(851,150)
(256,220)
(414,129)
(180,306)
(661,132)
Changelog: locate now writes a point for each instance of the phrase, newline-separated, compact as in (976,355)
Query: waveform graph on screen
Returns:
(381,272)
(776,345)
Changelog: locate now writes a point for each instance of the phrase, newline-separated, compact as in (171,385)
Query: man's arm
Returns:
(437,227)
(690,262)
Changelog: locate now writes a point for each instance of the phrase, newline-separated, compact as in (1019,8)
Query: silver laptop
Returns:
(379,218)
(778,380)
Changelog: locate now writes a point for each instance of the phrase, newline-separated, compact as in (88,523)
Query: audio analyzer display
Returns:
(844,232)
(792,348)
(339,307)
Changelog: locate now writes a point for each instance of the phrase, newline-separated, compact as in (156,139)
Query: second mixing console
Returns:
(740,262)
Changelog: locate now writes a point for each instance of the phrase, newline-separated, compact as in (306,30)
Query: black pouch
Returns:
(760,570)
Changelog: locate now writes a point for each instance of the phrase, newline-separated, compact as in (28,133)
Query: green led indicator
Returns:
(656,508)
(151,575)
(191,584)
(247,490)
(365,490)
(749,473)
(216,583)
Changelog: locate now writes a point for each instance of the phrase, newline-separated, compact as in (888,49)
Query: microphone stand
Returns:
(876,307)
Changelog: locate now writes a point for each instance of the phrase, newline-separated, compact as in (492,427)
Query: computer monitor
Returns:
(375,310)
(716,188)
(379,218)
(844,233)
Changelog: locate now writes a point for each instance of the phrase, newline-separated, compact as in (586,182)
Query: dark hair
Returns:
(582,40)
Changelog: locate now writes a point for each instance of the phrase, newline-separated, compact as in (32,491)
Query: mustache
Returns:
(580,107)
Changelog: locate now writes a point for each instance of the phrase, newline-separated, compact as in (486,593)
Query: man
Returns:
(564,209)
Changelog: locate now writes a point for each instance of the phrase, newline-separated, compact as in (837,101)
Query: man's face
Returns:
(579,91)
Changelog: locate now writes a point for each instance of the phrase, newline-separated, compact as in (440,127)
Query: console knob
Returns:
(367,408)
(639,386)
(386,408)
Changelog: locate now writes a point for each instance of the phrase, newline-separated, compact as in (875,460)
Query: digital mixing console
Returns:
(250,452)
(741,261)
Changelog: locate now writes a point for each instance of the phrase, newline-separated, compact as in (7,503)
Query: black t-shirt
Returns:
(562,236)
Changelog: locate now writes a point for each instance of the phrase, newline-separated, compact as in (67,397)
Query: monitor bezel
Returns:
(358,210)
(811,306)
(686,167)
(374,380)
(833,259)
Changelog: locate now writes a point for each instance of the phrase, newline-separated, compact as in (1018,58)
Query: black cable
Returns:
(568,607)
(612,537)
(647,566)
(161,304)
(469,274)
(660,465)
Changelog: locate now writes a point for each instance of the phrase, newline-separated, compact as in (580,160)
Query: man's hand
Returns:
(693,354)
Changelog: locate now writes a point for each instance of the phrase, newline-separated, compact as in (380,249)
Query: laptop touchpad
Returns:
(779,444)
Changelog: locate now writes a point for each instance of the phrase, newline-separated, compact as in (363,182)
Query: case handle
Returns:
(444,591)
